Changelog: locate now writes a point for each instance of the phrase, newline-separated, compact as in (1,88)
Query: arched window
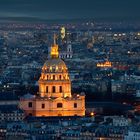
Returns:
(59,105)
(53,89)
(47,89)
(60,89)
(53,77)
(47,77)
(60,77)
(64,77)
(53,69)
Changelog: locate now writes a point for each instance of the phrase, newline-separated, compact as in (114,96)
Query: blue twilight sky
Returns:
(71,9)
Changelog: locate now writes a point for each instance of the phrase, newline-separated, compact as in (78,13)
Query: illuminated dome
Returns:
(54,65)
(54,80)
(54,75)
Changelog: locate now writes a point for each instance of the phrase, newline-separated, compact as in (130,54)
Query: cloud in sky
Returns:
(66,9)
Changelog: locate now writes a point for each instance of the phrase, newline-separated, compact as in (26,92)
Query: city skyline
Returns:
(69,69)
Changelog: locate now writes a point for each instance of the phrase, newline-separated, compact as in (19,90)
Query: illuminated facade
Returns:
(54,97)
(63,32)
(106,64)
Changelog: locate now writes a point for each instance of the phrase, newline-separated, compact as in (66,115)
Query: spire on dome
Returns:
(54,49)
(54,39)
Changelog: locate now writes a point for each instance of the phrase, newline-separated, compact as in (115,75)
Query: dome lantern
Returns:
(54,49)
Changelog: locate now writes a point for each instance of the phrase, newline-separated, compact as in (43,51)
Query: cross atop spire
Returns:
(54,39)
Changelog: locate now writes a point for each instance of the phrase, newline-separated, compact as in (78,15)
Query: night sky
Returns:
(71,9)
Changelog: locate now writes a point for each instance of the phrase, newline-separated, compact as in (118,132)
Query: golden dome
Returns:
(54,65)
(55,78)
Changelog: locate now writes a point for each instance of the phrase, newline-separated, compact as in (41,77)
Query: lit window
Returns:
(50,68)
(56,68)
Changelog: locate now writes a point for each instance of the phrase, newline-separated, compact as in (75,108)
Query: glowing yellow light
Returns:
(63,32)
(105,64)
(56,67)
(92,114)
(54,49)
(78,95)
(50,68)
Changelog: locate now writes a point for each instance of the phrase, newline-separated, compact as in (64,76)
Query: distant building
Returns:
(11,113)
(120,121)
(65,45)
(132,135)
(66,51)
(17,131)
(8,98)
(106,64)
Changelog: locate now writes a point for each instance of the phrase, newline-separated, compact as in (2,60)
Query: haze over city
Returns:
(33,10)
